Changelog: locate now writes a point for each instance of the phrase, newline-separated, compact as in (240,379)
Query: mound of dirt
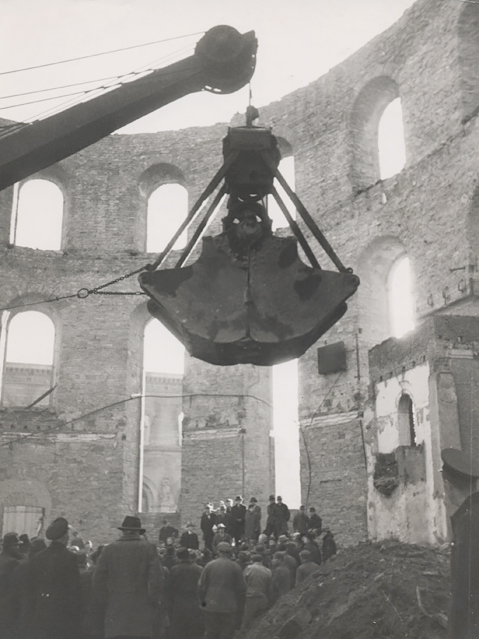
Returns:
(384,590)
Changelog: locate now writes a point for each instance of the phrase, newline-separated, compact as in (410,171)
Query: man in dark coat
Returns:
(315,522)
(128,583)
(222,591)
(10,560)
(307,567)
(301,521)
(252,524)
(281,516)
(460,474)
(167,531)
(53,601)
(183,602)
(238,514)
(189,539)
(281,582)
(328,546)
(208,520)
(270,519)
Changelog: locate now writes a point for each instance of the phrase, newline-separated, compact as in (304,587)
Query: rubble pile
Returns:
(385,590)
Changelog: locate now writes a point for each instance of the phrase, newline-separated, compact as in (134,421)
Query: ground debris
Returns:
(372,591)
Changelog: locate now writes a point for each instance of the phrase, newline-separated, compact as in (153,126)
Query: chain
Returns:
(83,293)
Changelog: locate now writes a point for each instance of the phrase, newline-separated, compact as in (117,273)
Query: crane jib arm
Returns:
(223,62)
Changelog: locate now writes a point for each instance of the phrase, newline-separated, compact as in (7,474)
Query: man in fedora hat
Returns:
(222,591)
(460,474)
(52,602)
(127,583)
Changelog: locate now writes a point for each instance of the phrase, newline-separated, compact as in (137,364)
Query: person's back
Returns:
(281,578)
(328,547)
(258,591)
(222,584)
(186,620)
(258,579)
(307,567)
(222,591)
(128,581)
(53,600)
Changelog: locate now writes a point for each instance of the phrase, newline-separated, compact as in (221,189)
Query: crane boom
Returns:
(223,62)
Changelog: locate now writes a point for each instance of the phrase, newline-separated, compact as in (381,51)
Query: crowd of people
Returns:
(184,585)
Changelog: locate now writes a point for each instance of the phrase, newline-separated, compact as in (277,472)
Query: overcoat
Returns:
(238,513)
(464,614)
(189,540)
(9,597)
(186,617)
(252,523)
(222,587)
(281,518)
(53,599)
(128,582)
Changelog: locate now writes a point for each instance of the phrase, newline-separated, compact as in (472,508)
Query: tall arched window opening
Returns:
(286,167)
(401,304)
(37,215)
(391,148)
(167,208)
(28,366)
(160,452)
(286,432)
(406,421)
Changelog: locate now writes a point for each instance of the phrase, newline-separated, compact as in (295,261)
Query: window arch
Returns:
(37,217)
(391,149)
(367,113)
(374,269)
(29,357)
(468,51)
(406,421)
(401,307)
(167,208)
(163,368)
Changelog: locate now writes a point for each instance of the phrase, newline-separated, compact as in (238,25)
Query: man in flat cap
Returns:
(128,583)
(222,591)
(52,589)
(460,474)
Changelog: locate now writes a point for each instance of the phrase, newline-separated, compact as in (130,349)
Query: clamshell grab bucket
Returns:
(263,309)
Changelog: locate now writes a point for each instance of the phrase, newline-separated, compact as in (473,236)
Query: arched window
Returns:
(38,215)
(376,106)
(167,208)
(391,149)
(163,368)
(286,167)
(401,306)
(28,366)
(286,431)
(406,421)
(468,50)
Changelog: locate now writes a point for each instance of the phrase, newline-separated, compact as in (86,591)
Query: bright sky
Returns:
(299,40)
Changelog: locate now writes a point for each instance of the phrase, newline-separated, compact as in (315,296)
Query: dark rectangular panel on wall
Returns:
(332,358)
